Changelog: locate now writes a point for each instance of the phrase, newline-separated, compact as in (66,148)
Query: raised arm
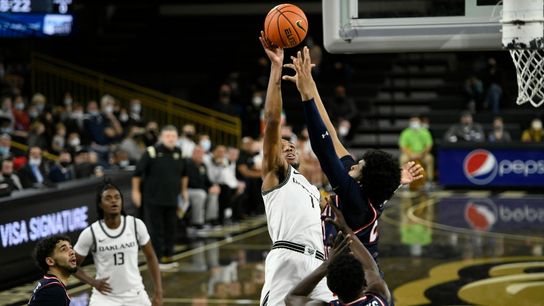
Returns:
(374,281)
(273,160)
(313,92)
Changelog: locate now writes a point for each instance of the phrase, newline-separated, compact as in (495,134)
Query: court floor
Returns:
(443,248)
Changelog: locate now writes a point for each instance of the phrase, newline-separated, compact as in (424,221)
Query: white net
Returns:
(530,73)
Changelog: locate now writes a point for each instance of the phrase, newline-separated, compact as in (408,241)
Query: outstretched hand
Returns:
(340,244)
(274,53)
(302,64)
(410,172)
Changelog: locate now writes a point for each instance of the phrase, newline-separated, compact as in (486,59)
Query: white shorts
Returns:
(140,298)
(284,269)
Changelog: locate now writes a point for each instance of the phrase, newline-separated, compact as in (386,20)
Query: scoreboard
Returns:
(35,6)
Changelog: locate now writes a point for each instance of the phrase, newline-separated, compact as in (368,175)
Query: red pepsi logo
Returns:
(481,214)
(480,167)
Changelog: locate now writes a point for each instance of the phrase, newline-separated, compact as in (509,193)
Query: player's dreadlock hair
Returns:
(346,277)
(45,247)
(380,176)
(106,185)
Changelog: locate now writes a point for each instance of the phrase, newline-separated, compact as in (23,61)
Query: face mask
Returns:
(68,101)
(536,125)
(6,130)
(93,113)
(136,108)
(40,107)
(343,131)
(205,144)
(77,115)
(64,163)
(415,125)
(20,106)
(257,101)
(74,142)
(4,150)
(33,114)
(123,117)
(108,109)
(124,163)
(35,161)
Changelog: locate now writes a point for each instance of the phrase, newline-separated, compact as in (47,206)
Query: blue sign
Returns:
(41,25)
(491,167)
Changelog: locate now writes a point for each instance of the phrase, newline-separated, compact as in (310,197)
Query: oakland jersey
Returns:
(115,253)
(293,212)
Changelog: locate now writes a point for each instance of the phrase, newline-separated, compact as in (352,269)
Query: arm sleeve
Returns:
(345,186)
(84,242)
(143,234)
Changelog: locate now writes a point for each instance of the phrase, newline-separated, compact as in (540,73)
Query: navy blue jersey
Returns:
(369,299)
(50,291)
(361,216)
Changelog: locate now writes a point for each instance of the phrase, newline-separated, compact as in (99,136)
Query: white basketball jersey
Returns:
(292,211)
(116,256)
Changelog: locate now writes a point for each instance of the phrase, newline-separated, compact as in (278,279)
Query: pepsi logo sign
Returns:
(480,167)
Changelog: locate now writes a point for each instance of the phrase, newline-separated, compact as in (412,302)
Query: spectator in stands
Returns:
(203,194)
(534,133)
(5,146)
(342,107)
(38,101)
(62,170)
(252,114)
(119,159)
(248,169)
(498,134)
(187,140)
(219,173)
(288,134)
(474,90)
(237,209)
(225,104)
(22,120)
(82,164)
(133,144)
(151,135)
(205,142)
(9,177)
(74,120)
(73,143)
(135,114)
(493,85)
(103,127)
(465,131)
(6,115)
(36,136)
(35,174)
(416,143)
(59,139)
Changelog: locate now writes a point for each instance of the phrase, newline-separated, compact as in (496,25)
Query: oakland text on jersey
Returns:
(117,247)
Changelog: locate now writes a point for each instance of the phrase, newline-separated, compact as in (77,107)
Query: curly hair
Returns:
(346,277)
(380,176)
(45,247)
(107,184)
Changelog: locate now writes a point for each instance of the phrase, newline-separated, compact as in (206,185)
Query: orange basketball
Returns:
(286,25)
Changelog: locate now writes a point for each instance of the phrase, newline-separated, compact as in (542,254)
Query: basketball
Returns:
(286,25)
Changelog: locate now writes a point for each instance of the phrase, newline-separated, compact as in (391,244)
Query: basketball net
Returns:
(523,36)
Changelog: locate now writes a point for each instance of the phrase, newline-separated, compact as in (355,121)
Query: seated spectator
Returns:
(205,142)
(219,172)
(36,136)
(533,133)
(343,108)
(59,139)
(465,131)
(74,119)
(135,113)
(151,135)
(248,169)
(203,194)
(38,103)
(62,170)
(73,144)
(82,164)
(225,104)
(5,146)
(22,120)
(186,141)
(133,144)
(6,113)
(120,160)
(498,134)
(416,143)
(35,174)
(9,177)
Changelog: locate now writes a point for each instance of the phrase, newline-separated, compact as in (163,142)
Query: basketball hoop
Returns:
(523,35)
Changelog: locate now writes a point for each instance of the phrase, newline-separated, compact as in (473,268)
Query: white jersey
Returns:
(115,253)
(292,211)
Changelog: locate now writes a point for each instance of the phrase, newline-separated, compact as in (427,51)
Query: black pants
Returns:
(161,223)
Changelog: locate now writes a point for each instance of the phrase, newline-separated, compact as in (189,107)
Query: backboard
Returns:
(377,26)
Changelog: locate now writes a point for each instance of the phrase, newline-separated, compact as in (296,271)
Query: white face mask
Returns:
(77,115)
(257,101)
(68,101)
(123,117)
(136,108)
(343,131)
(35,161)
(206,144)
(124,163)
(415,124)
(74,142)
(108,109)
(19,106)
